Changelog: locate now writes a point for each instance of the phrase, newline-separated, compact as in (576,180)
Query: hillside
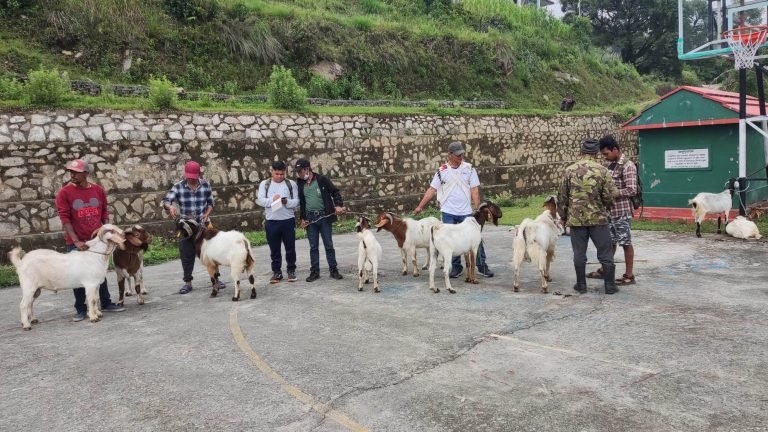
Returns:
(412,49)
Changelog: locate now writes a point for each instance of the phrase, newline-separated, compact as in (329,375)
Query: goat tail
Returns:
(15,256)
(248,255)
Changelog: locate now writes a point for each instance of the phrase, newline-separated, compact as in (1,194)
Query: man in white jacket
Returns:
(279,197)
(457,188)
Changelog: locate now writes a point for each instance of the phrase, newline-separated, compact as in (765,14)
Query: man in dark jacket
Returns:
(320,203)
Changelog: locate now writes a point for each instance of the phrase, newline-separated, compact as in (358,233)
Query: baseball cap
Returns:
(301,164)
(456,148)
(192,170)
(78,165)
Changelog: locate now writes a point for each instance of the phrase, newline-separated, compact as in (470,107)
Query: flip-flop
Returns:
(595,274)
(626,280)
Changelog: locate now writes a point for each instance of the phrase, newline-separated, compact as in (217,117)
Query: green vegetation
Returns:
(46,88)
(414,49)
(283,90)
(162,93)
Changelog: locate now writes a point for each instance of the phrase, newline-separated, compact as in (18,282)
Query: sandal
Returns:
(626,280)
(596,274)
(185,289)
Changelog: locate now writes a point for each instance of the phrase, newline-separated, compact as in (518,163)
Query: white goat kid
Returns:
(410,234)
(706,202)
(743,228)
(221,248)
(535,240)
(460,239)
(45,268)
(368,254)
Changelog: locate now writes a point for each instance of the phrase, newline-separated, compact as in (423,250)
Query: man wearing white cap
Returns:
(82,208)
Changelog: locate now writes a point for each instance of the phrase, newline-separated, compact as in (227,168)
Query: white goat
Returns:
(410,234)
(460,239)
(368,254)
(743,228)
(221,248)
(535,240)
(45,268)
(706,202)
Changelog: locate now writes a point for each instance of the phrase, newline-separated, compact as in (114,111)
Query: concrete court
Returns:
(683,350)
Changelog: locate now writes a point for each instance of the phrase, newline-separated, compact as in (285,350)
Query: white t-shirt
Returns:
(264,199)
(456,185)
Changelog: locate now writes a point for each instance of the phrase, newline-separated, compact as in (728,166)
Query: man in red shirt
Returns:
(82,208)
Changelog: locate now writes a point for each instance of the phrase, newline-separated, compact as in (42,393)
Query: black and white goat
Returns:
(706,202)
(410,234)
(45,268)
(368,254)
(221,248)
(535,240)
(460,239)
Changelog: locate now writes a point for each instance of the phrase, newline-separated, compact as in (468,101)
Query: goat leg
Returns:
(698,229)
(376,277)
(473,266)
(121,289)
(138,279)
(252,281)
(25,307)
(404,256)
(719,219)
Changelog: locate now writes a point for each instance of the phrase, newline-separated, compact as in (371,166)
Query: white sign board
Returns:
(688,158)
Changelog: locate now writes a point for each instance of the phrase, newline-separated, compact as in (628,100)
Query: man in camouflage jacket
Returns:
(586,192)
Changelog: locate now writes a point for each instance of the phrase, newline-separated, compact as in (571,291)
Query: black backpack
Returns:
(637,200)
(269,182)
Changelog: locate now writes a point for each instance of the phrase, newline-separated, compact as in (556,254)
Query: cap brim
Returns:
(194,176)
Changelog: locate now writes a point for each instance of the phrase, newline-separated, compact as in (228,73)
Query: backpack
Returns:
(269,183)
(637,199)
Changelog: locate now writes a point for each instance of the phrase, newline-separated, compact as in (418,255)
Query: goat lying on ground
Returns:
(220,248)
(45,268)
(368,254)
(410,234)
(706,202)
(535,240)
(129,263)
(460,239)
(743,228)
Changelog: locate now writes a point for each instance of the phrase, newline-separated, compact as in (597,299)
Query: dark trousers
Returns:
(601,238)
(320,228)
(282,232)
(80,305)
(187,254)
(456,261)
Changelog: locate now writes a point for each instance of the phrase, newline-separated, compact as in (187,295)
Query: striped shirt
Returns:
(624,174)
(192,202)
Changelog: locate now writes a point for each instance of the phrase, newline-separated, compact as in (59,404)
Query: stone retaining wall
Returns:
(379,162)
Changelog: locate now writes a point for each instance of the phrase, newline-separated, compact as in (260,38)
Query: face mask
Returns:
(305,177)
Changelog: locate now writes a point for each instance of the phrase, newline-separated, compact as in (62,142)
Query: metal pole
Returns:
(742,138)
(763,124)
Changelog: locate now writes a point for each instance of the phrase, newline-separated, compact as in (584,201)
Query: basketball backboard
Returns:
(701,24)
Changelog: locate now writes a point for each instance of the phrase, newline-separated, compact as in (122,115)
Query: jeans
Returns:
(324,228)
(282,232)
(456,261)
(187,253)
(80,305)
(601,238)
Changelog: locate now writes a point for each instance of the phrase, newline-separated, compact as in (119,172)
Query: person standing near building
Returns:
(82,208)
(624,174)
(320,203)
(584,196)
(280,197)
(195,199)
(457,188)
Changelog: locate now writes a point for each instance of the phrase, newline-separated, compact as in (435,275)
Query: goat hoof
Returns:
(253,294)
(34,321)
(361,288)
(435,290)
(27,328)
(544,290)
(475,281)
(405,272)
(516,289)
(214,293)
(235,298)
(451,290)
(549,279)
(93,320)
(366,281)
(140,301)
(127,294)
(376,290)
(698,235)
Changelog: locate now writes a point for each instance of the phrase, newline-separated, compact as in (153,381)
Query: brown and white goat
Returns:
(368,255)
(45,268)
(460,239)
(221,248)
(410,234)
(129,263)
(535,240)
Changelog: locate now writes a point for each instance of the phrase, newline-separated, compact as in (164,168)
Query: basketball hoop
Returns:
(744,42)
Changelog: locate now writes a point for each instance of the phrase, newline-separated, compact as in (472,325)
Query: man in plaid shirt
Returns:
(624,174)
(195,199)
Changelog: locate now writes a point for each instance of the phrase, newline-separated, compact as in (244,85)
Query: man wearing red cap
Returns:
(82,208)
(195,199)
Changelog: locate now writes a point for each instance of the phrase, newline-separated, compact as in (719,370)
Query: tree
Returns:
(643,31)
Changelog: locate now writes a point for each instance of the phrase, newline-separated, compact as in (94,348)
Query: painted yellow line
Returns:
(289,388)
(574,353)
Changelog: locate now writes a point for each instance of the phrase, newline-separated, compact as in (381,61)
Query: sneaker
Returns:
(313,276)
(336,275)
(455,273)
(291,276)
(79,316)
(485,271)
(186,288)
(220,285)
(112,308)
(276,277)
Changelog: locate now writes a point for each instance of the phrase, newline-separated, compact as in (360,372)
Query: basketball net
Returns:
(744,42)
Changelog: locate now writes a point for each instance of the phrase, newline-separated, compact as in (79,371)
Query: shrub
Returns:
(230,88)
(689,78)
(10,89)
(162,93)
(192,10)
(283,90)
(47,87)
(319,87)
